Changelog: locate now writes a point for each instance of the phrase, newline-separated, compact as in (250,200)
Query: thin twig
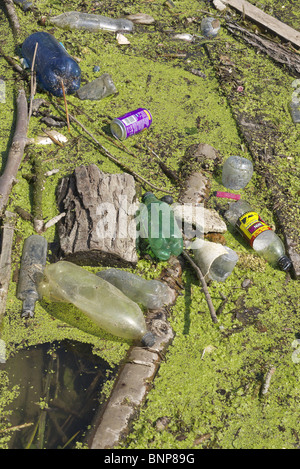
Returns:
(204,286)
(32,81)
(111,157)
(66,106)
(266,385)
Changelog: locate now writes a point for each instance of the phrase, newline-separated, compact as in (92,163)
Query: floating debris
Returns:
(52,136)
(2,351)
(121,39)
(90,22)
(97,89)
(141,18)
(210,27)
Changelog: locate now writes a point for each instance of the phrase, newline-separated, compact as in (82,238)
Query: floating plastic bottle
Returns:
(99,88)
(91,22)
(237,172)
(258,234)
(158,225)
(152,294)
(215,260)
(53,64)
(33,262)
(100,301)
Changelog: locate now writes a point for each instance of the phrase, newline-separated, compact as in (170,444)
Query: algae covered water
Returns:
(60,387)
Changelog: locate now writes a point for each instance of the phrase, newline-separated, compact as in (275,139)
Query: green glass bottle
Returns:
(158,225)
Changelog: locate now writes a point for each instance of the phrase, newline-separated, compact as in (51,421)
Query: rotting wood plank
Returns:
(272,24)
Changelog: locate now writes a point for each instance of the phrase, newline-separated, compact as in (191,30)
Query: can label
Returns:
(251,225)
(135,121)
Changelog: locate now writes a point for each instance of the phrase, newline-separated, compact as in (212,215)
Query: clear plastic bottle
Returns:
(237,172)
(91,22)
(152,294)
(258,234)
(215,260)
(100,301)
(33,262)
(222,267)
(158,225)
(53,64)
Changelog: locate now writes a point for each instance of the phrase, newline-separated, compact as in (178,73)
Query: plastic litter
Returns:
(227,195)
(91,22)
(53,64)
(100,301)
(152,294)
(159,226)
(210,27)
(295,103)
(215,260)
(99,88)
(237,172)
(258,234)
(33,262)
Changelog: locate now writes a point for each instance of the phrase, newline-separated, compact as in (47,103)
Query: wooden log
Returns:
(265,20)
(99,225)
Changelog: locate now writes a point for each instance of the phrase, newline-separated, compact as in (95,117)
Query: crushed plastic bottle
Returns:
(152,294)
(258,234)
(33,262)
(159,226)
(215,260)
(100,301)
(91,22)
(237,172)
(53,64)
(99,88)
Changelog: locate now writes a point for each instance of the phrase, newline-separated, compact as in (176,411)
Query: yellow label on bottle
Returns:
(251,225)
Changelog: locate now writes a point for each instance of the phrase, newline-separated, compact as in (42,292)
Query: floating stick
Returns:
(66,106)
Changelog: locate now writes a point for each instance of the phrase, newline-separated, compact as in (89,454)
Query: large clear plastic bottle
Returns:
(91,22)
(158,225)
(152,294)
(53,64)
(258,234)
(102,302)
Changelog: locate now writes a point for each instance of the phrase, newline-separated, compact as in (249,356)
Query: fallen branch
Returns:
(204,286)
(12,16)
(277,52)
(110,156)
(16,151)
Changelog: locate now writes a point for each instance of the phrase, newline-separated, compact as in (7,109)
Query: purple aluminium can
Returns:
(131,123)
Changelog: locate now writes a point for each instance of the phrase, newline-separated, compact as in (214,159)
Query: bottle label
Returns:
(251,225)
(136,121)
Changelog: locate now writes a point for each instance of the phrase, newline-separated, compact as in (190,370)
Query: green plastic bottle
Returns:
(102,302)
(159,226)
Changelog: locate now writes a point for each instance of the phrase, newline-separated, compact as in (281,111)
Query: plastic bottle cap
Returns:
(148,339)
(284,263)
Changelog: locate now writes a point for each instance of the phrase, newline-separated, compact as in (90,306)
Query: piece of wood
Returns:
(99,226)
(16,151)
(272,24)
(7,235)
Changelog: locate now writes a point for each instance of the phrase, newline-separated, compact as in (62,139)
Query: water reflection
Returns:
(60,388)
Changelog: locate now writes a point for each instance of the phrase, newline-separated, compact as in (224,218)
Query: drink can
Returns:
(131,123)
